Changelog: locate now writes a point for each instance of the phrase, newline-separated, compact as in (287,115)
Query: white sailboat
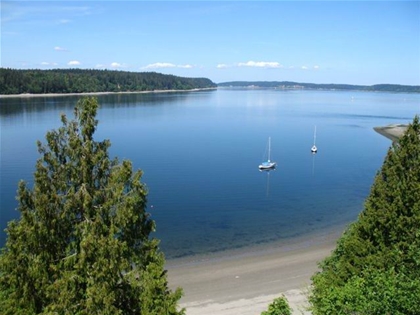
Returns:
(314,149)
(268,165)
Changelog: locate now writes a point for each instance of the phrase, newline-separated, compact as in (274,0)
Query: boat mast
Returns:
(315,135)
(269,148)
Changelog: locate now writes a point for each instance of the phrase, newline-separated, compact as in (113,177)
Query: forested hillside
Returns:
(13,81)
(314,86)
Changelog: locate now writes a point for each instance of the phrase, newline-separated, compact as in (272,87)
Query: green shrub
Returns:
(280,306)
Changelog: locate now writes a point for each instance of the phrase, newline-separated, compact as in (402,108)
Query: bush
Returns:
(280,306)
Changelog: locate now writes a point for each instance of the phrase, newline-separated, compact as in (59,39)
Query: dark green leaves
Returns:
(82,244)
(279,306)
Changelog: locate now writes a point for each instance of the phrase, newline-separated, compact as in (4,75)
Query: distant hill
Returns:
(286,85)
(13,81)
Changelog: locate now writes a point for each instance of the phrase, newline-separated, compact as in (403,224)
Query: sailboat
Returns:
(314,149)
(268,165)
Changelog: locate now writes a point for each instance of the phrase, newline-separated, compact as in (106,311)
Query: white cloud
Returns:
(45,63)
(116,65)
(58,48)
(309,68)
(260,64)
(266,65)
(73,63)
(111,65)
(160,65)
(31,12)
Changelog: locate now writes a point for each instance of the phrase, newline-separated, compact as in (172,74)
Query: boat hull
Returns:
(267,166)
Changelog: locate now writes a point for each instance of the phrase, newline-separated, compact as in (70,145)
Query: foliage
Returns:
(13,81)
(279,306)
(313,86)
(82,244)
(375,268)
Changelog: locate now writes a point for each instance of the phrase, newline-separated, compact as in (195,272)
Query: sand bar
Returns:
(393,132)
(246,281)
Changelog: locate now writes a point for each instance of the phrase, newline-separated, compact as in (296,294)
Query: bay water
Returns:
(200,152)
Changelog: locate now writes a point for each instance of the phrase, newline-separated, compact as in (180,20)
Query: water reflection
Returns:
(268,171)
(313,162)
(17,105)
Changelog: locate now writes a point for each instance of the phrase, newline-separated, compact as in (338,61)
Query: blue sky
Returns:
(352,42)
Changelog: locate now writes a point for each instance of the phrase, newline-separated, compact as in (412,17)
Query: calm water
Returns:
(200,154)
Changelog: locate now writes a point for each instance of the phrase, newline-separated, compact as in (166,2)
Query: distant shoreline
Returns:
(289,85)
(30,95)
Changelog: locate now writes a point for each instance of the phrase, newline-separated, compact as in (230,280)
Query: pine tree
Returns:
(375,268)
(82,244)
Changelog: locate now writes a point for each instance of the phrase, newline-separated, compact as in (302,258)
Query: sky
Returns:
(341,42)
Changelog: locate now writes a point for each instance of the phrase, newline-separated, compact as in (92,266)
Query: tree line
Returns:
(314,86)
(15,81)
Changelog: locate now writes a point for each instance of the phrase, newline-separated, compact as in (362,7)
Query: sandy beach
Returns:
(28,95)
(246,281)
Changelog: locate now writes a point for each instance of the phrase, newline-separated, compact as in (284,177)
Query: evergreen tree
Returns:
(375,268)
(82,244)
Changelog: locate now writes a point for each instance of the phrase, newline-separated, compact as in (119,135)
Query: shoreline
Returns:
(392,132)
(245,281)
(30,95)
